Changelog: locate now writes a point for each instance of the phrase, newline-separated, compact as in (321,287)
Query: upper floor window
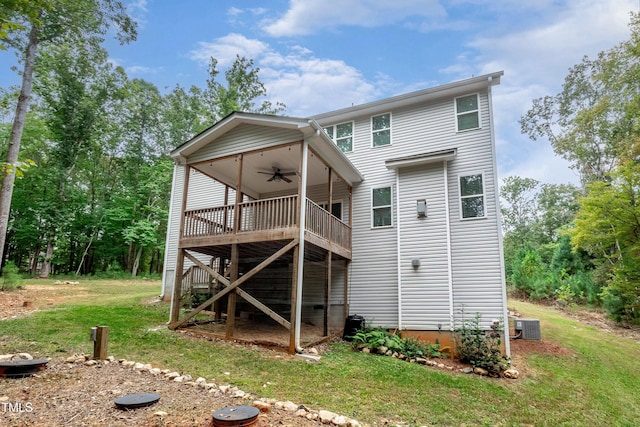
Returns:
(381,207)
(472,196)
(342,135)
(381,129)
(467,112)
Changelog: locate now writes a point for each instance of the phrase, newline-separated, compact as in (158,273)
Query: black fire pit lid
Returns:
(21,368)
(132,401)
(236,413)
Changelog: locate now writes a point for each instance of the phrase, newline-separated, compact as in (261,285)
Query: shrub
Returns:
(10,277)
(409,347)
(479,348)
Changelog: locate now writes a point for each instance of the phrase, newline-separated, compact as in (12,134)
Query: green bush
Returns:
(479,348)
(409,347)
(10,277)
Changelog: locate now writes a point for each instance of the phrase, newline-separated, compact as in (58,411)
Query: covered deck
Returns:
(265,233)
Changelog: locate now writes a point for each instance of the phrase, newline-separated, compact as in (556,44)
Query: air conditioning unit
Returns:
(527,329)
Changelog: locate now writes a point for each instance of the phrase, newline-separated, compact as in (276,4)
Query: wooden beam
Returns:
(234,285)
(177,287)
(294,293)
(244,294)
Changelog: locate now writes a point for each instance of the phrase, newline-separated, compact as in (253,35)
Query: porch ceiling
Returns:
(256,184)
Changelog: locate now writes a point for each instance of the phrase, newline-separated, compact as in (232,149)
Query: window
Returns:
(381,207)
(467,112)
(342,135)
(472,196)
(336,208)
(381,129)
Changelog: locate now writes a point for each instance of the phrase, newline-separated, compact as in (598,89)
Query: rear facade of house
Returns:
(425,250)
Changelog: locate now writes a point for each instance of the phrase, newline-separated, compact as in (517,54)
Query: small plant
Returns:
(10,277)
(410,348)
(479,348)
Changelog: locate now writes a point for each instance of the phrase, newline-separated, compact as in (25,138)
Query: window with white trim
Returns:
(467,112)
(381,130)
(472,196)
(381,207)
(342,135)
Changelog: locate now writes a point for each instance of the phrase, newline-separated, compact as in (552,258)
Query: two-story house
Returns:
(387,209)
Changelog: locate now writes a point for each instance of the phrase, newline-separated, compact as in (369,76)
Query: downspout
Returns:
(302,227)
(507,344)
(448,223)
(398,249)
(169,222)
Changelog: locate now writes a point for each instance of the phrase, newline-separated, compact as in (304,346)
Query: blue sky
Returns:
(320,55)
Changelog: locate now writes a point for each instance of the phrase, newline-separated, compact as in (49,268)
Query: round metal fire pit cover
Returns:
(132,401)
(235,416)
(22,368)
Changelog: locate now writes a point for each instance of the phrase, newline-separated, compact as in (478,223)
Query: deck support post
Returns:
(327,290)
(235,252)
(231,298)
(177,287)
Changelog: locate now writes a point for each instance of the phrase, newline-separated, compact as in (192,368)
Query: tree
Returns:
(56,21)
(589,122)
(519,204)
(241,92)
(608,227)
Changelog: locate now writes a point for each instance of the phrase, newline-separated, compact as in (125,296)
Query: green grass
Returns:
(597,385)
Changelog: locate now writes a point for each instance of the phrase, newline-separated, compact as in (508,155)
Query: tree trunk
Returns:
(34,263)
(136,263)
(46,264)
(16,135)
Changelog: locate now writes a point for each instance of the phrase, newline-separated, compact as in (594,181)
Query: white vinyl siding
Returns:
(425,289)
(381,130)
(245,137)
(467,112)
(472,203)
(475,251)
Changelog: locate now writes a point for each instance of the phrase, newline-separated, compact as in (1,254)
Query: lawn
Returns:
(595,383)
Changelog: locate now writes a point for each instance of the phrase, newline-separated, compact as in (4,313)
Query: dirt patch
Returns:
(79,395)
(34,297)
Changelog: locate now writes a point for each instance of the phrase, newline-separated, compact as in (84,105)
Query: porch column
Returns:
(174,315)
(327,290)
(235,254)
(296,303)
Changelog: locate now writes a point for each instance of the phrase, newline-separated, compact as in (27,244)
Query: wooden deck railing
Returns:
(266,214)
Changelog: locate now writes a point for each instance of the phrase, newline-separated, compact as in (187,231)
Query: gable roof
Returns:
(318,140)
(457,88)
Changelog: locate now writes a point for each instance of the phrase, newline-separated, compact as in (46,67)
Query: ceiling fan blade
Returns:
(292,173)
(285,179)
(271,179)
(266,173)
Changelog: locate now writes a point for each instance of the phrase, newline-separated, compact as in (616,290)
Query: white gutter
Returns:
(398,246)
(303,214)
(448,223)
(507,344)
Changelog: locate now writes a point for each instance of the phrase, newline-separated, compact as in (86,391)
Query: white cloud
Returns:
(225,49)
(536,60)
(140,69)
(310,85)
(310,16)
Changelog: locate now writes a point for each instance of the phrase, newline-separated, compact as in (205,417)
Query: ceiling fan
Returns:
(278,176)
